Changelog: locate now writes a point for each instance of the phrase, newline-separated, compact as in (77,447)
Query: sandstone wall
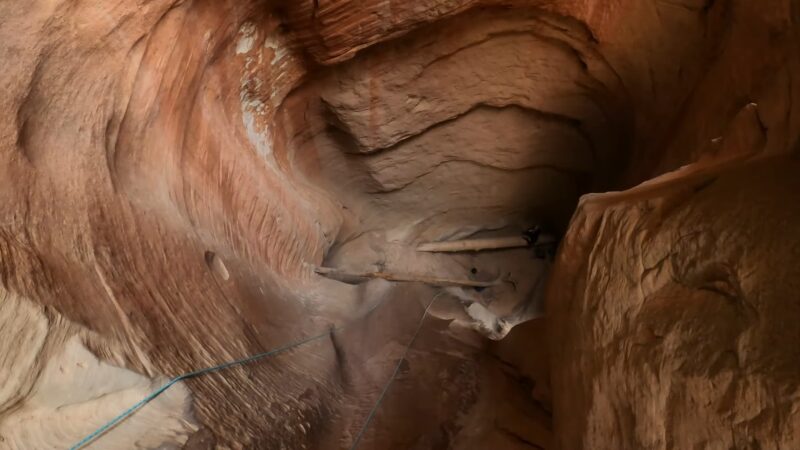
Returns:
(677,299)
(171,170)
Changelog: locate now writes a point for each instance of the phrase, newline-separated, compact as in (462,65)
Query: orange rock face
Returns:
(679,303)
(171,172)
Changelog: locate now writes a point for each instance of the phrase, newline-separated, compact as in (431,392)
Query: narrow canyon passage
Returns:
(189,183)
(458,131)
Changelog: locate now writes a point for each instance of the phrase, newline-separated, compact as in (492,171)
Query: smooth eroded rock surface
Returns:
(171,173)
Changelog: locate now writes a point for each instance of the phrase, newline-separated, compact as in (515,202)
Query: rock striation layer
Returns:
(172,171)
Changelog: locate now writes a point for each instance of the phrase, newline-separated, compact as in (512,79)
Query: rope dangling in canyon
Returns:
(394,375)
(128,412)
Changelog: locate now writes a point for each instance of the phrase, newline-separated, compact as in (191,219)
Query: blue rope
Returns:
(127,413)
(394,375)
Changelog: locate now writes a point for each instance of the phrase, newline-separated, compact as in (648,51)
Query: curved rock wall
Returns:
(679,294)
(170,171)
(475,108)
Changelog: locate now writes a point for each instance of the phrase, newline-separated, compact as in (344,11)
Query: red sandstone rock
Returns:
(171,171)
(679,298)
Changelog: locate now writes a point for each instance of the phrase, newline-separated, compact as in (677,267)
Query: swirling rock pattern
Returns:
(171,170)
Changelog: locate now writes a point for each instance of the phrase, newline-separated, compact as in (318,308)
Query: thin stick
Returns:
(474,245)
(354,277)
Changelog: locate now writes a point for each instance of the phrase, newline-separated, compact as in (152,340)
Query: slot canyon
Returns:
(186,184)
